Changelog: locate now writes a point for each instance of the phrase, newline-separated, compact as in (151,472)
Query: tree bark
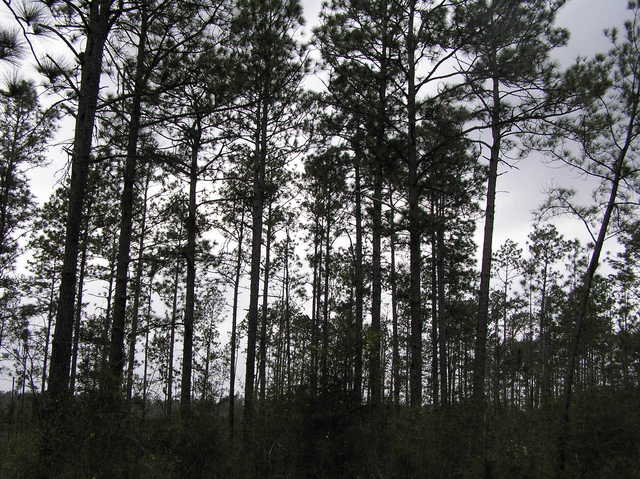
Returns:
(146,344)
(359,283)
(544,377)
(435,375)
(317,261)
(287,317)
(104,378)
(376,290)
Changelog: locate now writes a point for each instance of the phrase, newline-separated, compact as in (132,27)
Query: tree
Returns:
(357,42)
(94,21)
(23,144)
(152,50)
(546,248)
(273,70)
(508,48)
(606,133)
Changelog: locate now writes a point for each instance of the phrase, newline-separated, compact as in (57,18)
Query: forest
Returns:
(271,248)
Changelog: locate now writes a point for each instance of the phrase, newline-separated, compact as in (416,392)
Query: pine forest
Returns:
(292,239)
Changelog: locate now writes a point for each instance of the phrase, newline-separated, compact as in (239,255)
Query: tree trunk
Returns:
(376,229)
(205,379)
(50,313)
(234,323)
(480,360)
(254,288)
(359,284)
(107,325)
(99,24)
(415,260)
(544,377)
(585,291)
(315,313)
(133,335)
(376,290)
(324,353)
(435,376)
(172,334)
(7,180)
(442,315)
(78,314)
(116,356)
(265,303)
(146,344)
(189,306)
(287,313)
(395,367)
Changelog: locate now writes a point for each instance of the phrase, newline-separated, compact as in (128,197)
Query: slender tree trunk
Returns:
(415,260)
(324,353)
(376,290)
(287,313)
(480,360)
(133,335)
(435,375)
(146,345)
(50,313)
(254,288)
(116,354)
(99,23)
(376,231)
(107,324)
(395,345)
(172,334)
(78,314)
(585,291)
(359,283)
(234,322)
(317,277)
(189,306)
(265,305)
(544,376)
(442,316)
(7,180)
(205,379)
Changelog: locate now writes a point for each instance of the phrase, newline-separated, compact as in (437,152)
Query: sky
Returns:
(520,190)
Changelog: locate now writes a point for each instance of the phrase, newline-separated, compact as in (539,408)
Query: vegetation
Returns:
(238,275)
